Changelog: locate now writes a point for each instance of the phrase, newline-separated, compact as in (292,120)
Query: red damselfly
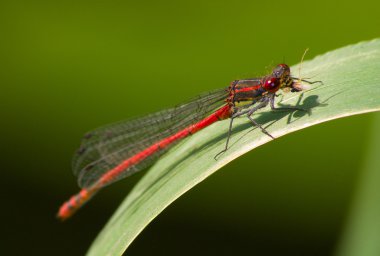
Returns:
(116,151)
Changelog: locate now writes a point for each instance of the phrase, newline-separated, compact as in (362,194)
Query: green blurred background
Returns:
(67,67)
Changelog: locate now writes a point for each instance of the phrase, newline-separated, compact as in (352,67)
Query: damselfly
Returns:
(116,151)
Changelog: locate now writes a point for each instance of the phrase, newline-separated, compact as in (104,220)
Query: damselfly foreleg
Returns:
(289,108)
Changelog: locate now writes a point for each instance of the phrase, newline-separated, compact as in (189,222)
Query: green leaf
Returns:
(351,80)
(361,235)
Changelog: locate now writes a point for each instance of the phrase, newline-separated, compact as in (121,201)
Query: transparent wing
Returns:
(104,148)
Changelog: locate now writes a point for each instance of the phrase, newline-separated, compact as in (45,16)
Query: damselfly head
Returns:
(280,78)
(281,71)
(272,84)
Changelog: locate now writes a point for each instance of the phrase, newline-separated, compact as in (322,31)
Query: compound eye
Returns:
(272,84)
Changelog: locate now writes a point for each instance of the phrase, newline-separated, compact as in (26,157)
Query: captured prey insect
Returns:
(116,151)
